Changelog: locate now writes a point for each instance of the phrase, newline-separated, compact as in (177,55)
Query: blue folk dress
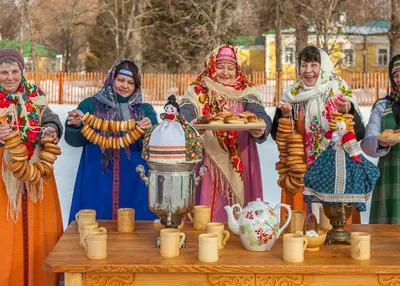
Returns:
(119,186)
(336,177)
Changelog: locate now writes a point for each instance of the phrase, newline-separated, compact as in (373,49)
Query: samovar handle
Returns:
(145,179)
(201,174)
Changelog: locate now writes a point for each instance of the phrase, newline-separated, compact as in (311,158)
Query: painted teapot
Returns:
(257,224)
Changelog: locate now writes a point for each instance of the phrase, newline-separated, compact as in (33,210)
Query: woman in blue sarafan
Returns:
(341,173)
(106,178)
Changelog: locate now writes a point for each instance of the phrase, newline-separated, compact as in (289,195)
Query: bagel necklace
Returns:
(30,173)
(132,132)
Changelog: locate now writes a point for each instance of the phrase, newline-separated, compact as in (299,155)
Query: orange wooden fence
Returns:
(73,87)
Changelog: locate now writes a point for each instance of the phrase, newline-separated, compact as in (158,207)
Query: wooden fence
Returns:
(73,87)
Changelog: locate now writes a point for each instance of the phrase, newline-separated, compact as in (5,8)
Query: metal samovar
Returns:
(338,214)
(171,190)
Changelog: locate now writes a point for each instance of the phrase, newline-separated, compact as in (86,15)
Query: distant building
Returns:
(356,49)
(47,60)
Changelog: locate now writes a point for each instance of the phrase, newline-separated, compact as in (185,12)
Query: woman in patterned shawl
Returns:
(30,218)
(311,102)
(385,205)
(106,178)
(234,174)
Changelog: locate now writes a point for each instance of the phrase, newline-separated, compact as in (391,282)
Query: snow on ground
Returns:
(67,164)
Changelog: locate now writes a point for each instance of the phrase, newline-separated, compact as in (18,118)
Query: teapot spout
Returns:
(232,222)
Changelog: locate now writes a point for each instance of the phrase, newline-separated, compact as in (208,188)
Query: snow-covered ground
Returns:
(67,164)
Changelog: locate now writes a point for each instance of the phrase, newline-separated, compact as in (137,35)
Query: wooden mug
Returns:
(219,229)
(202,215)
(208,247)
(85,216)
(126,220)
(294,246)
(360,245)
(171,241)
(85,229)
(95,244)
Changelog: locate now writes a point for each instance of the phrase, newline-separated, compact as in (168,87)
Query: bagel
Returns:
(290,187)
(84,128)
(136,134)
(95,138)
(37,178)
(48,170)
(140,130)
(110,142)
(297,149)
(40,167)
(112,126)
(94,122)
(121,142)
(92,136)
(348,116)
(297,153)
(294,174)
(297,182)
(48,140)
(336,114)
(291,162)
(52,146)
(285,121)
(11,135)
(21,171)
(295,145)
(106,144)
(117,126)
(89,121)
(104,126)
(128,139)
(283,170)
(294,157)
(281,181)
(294,140)
(279,165)
(295,136)
(47,157)
(53,151)
(15,166)
(99,124)
(19,159)
(102,141)
(34,174)
(283,154)
(123,125)
(125,141)
(282,130)
(117,144)
(85,117)
(89,134)
(85,134)
(28,172)
(282,136)
(279,143)
(12,140)
(11,146)
(133,123)
(299,166)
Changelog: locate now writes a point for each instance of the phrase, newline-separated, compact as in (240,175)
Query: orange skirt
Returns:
(26,243)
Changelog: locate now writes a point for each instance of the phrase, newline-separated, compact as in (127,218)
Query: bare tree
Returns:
(301,24)
(394,31)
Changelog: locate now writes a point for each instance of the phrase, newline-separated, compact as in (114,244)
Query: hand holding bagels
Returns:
(75,117)
(5,130)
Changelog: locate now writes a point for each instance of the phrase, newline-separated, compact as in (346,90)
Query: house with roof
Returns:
(362,48)
(47,60)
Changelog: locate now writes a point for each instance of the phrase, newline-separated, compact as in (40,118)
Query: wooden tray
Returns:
(230,127)
(388,140)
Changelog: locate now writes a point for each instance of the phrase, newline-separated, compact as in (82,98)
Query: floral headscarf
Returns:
(318,103)
(22,111)
(209,97)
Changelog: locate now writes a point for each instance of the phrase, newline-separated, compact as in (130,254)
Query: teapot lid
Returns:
(258,203)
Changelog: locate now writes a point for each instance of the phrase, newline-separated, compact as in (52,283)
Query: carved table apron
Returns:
(132,260)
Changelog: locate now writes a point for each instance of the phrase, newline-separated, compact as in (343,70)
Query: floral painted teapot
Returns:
(257,225)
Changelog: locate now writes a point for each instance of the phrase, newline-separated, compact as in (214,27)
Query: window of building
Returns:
(349,57)
(289,55)
(382,56)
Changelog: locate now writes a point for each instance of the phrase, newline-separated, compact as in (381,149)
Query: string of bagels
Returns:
(28,172)
(94,125)
(292,166)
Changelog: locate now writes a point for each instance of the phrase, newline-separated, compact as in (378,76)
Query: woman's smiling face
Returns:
(309,72)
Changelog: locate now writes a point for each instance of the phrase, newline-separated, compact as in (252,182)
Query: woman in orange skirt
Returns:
(30,216)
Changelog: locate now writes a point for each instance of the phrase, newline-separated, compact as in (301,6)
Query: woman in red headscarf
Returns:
(234,174)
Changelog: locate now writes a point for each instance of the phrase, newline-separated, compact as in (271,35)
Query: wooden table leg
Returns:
(72,279)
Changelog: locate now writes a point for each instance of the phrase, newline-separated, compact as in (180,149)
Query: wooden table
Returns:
(132,260)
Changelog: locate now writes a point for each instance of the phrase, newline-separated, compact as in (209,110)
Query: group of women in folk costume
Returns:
(107,180)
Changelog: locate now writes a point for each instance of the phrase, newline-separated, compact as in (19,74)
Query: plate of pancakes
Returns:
(390,136)
(227,121)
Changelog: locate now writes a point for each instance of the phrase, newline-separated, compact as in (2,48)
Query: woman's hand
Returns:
(256,133)
(50,132)
(145,123)
(5,130)
(285,107)
(74,117)
(385,144)
(343,105)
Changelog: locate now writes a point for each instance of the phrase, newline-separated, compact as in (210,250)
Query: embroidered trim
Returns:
(340,166)
(116,184)
(334,198)
(153,152)
(352,148)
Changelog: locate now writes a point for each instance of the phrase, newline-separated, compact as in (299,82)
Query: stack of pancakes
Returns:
(291,166)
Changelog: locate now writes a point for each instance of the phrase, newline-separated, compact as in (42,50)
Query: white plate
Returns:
(230,127)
